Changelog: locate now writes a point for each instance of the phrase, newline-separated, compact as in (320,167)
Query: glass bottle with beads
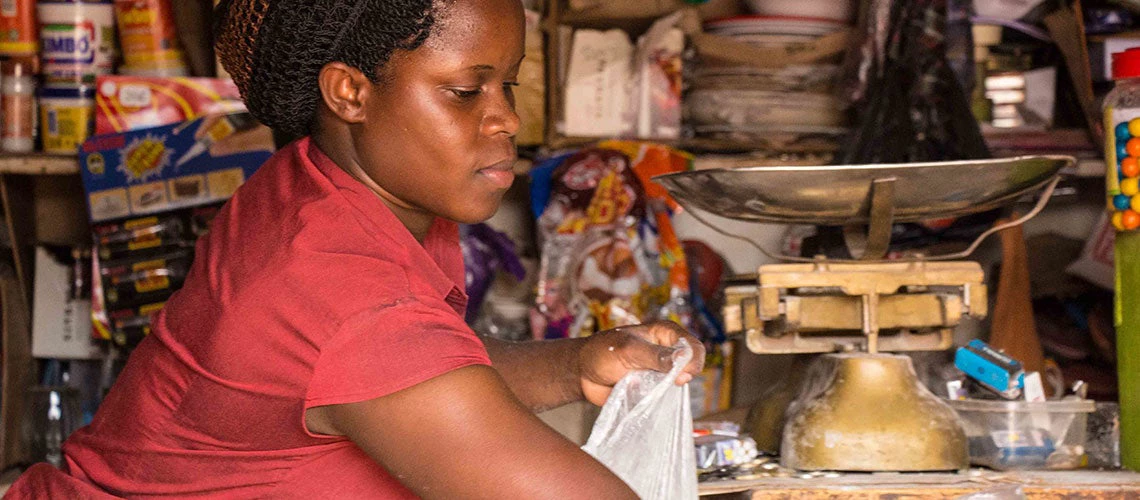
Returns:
(1122,154)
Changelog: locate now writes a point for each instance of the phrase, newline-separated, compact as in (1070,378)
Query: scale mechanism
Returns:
(817,307)
(858,407)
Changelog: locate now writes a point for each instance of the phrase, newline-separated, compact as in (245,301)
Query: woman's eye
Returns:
(466,93)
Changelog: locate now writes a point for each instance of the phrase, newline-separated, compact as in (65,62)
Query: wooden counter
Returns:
(897,486)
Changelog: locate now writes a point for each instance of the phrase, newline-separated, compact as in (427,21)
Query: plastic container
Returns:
(1103,445)
(18,105)
(1122,153)
(1020,435)
(149,39)
(77,40)
(66,115)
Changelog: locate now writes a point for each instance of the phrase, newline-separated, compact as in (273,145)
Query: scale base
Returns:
(868,412)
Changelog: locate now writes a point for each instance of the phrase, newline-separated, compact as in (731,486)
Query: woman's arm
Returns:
(463,434)
(550,373)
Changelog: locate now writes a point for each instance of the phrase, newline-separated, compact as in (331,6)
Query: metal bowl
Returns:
(840,194)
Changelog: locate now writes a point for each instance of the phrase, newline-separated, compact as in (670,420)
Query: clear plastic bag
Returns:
(644,433)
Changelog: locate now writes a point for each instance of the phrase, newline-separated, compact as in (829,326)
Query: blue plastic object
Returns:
(991,368)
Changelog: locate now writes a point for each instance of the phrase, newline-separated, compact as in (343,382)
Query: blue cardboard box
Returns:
(154,170)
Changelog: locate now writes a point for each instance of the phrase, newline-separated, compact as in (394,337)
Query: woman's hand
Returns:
(610,354)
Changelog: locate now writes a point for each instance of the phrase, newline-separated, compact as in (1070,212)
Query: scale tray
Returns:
(840,194)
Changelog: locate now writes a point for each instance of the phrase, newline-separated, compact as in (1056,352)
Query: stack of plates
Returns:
(751,104)
(814,78)
(748,108)
(773,26)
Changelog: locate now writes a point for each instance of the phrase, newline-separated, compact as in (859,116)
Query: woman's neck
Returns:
(339,148)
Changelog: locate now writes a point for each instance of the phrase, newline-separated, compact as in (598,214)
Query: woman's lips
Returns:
(501,174)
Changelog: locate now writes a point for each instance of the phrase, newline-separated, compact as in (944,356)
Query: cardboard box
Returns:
(61,320)
(159,169)
(124,103)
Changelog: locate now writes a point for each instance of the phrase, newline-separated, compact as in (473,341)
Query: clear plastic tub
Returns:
(1020,435)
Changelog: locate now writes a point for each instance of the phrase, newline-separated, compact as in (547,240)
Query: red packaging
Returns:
(147,35)
(19,33)
(133,102)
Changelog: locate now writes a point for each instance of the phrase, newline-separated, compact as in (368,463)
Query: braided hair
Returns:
(274,49)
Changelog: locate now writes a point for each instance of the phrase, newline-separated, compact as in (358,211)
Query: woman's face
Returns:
(438,131)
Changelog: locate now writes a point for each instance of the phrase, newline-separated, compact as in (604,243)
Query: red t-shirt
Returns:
(307,292)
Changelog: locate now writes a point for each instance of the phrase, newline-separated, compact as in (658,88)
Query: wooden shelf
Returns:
(38,164)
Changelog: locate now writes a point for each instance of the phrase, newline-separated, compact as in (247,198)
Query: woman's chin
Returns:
(476,213)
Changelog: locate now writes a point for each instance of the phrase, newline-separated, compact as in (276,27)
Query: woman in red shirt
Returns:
(317,349)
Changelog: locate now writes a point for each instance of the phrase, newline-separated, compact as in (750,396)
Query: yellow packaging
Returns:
(66,115)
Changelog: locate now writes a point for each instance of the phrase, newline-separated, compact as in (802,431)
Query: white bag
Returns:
(644,433)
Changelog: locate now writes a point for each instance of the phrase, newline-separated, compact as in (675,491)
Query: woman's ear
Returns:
(344,90)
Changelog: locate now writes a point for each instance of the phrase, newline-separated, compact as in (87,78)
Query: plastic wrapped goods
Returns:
(610,256)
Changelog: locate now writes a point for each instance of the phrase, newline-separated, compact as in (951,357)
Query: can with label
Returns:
(66,115)
(19,34)
(149,39)
(77,40)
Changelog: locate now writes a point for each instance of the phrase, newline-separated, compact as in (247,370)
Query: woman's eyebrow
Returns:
(489,67)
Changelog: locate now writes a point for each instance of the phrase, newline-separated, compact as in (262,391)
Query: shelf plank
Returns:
(38,164)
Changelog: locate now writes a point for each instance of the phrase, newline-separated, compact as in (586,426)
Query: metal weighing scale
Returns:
(861,408)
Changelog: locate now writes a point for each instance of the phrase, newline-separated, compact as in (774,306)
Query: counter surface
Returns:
(893,486)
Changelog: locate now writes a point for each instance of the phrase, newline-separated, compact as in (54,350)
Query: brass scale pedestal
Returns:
(861,409)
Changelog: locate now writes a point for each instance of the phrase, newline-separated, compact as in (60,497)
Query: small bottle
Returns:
(18,105)
(1122,153)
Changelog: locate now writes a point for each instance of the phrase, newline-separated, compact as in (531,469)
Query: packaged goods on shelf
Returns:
(149,38)
(164,168)
(610,256)
(19,31)
(138,264)
(615,88)
(77,40)
(65,117)
(126,103)
(18,104)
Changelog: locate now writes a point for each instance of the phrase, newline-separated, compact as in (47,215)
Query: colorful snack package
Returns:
(609,253)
